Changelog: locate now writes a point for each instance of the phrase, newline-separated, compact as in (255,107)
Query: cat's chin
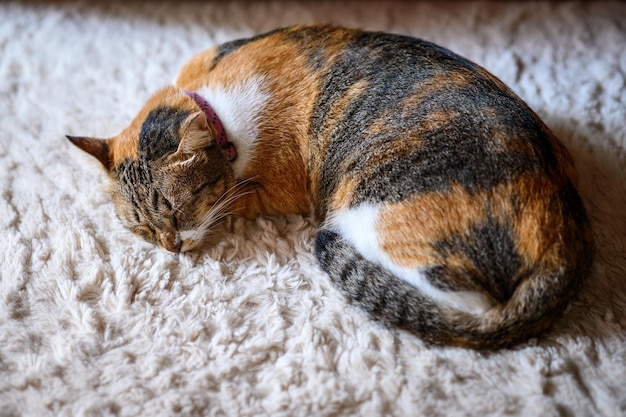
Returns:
(199,246)
(190,246)
(201,239)
(194,241)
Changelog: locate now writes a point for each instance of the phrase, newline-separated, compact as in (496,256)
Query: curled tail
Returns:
(532,308)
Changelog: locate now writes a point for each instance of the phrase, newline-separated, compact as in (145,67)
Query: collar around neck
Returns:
(228,148)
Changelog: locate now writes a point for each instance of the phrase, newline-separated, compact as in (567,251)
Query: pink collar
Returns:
(228,148)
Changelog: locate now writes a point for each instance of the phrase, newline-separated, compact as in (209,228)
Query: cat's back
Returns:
(424,116)
(331,59)
(343,93)
(336,55)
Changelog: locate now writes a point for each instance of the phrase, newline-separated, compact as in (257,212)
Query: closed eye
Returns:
(198,191)
(144,231)
(205,185)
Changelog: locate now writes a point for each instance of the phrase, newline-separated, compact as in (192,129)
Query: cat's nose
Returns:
(170,241)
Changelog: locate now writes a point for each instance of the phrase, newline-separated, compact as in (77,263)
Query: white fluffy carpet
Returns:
(94,322)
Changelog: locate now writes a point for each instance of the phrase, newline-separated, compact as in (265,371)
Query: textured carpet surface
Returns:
(94,322)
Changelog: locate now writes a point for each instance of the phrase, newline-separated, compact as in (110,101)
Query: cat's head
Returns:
(168,179)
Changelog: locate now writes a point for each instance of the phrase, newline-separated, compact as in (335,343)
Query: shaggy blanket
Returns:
(95,322)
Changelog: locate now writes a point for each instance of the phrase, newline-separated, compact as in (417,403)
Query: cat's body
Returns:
(447,207)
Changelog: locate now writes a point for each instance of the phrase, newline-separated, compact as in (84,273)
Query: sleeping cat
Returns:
(446,207)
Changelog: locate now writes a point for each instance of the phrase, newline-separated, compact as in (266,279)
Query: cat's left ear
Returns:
(196,133)
(98,148)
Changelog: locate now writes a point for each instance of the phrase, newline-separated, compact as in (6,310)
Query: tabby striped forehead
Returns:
(139,195)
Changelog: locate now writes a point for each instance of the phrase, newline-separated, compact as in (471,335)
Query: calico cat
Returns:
(447,208)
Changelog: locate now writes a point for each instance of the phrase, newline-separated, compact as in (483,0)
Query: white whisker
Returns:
(218,211)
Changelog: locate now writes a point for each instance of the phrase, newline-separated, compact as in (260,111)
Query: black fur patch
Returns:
(159,134)
(460,152)
(230,47)
(490,248)
(314,42)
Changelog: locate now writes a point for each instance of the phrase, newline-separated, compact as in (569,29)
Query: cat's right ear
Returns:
(197,133)
(98,148)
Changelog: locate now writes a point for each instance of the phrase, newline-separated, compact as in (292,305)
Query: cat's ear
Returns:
(197,133)
(98,148)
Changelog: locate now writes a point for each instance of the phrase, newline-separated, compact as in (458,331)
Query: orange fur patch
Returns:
(538,224)
(408,228)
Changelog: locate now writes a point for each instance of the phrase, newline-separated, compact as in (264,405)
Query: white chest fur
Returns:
(239,108)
